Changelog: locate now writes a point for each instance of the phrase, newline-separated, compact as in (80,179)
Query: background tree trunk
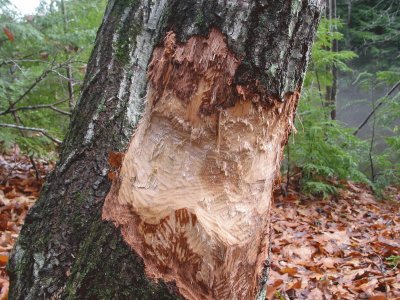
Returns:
(257,55)
(331,90)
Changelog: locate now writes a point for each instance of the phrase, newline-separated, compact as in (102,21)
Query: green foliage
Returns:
(373,32)
(322,55)
(35,52)
(279,295)
(389,77)
(384,149)
(323,149)
(387,153)
(393,260)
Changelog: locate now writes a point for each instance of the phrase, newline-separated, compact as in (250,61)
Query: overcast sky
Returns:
(26,7)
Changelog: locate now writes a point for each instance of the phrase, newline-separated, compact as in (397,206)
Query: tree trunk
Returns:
(178,204)
(349,11)
(68,67)
(331,90)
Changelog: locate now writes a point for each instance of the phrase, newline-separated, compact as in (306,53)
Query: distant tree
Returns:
(331,90)
(373,33)
(323,151)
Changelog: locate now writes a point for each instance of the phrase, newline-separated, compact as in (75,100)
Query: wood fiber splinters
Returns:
(208,248)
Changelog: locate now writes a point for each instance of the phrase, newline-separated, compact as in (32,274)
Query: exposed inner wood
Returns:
(194,191)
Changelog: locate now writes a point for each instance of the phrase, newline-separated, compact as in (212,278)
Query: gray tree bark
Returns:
(66,250)
(331,90)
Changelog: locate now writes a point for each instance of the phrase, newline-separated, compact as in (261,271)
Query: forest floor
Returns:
(336,248)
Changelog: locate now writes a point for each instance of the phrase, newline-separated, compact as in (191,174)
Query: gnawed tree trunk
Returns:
(176,140)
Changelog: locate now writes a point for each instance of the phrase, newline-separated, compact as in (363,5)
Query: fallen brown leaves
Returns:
(335,249)
(19,188)
(322,249)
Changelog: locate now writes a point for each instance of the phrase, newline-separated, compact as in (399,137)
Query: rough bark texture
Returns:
(331,90)
(65,249)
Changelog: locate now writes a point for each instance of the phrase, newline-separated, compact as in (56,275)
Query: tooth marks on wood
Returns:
(181,68)
(195,184)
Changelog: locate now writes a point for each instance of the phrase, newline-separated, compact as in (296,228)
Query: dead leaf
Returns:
(3,260)
(271,289)
(378,297)
(328,262)
(112,175)
(295,285)
(9,34)
(115,159)
(290,271)
(316,294)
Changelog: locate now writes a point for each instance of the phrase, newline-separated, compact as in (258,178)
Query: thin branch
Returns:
(37,172)
(11,61)
(288,169)
(12,109)
(37,81)
(42,131)
(319,84)
(5,62)
(376,108)
(18,66)
(70,82)
(38,106)
(32,86)
(63,112)
(371,149)
(62,76)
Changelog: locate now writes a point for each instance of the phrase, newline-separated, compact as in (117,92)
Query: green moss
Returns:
(296,6)
(263,20)
(111,269)
(126,31)
(200,21)
(80,197)
(101,107)
(163,23)
(272,70)
(126,41)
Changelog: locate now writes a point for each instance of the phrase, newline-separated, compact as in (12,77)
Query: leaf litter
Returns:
(335,248)
(20,185)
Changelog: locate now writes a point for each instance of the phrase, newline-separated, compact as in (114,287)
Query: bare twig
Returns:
(37,173)
(38,106)
(42,131)
(70,82)
(32,86)
(62,76)
(13,61)
(288,169)
(36,82)
(22,60)
(319,85)
(16,165)
(371,149)
(376,108)
(381,268)
(60,110)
